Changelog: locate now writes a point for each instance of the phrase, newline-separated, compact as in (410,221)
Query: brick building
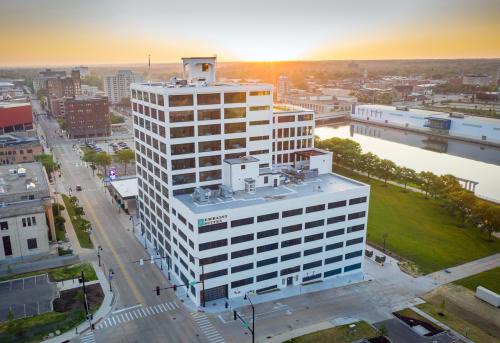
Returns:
(87,117)
(15,116)
(59,87)
(17,149)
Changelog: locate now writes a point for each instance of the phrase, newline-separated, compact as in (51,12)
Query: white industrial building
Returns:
(213,202)
(454,125)
(117,87)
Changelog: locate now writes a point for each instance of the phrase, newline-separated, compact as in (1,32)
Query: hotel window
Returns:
(286,119)
(267,262)
(210,175)
(208,99)
(240,283)
(181,116)
(267,233)
(356,215)
(209,146)
(209,161)
(334,233)
(180,100)
(259,93)
(234,127)
(233,113)
(236,143)
(212,114)
(213,244)
(260,108)
(241,253)
(357,201)
(354,241)
(181,132)
(234,98)
(259,122)
(32,244)
(181,179)
(185,163)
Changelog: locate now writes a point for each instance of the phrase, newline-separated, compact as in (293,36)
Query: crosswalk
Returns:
(213,336)
(88,338)
(137,313)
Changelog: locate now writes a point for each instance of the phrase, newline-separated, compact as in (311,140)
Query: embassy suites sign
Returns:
(212,220)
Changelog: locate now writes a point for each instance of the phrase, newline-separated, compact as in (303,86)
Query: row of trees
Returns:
(103,159)
(445,188)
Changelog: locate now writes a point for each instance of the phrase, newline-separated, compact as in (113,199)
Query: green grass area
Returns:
(420,229)
(34,329)
(79,224)
(458,324)
(60,233)
(116,119)
(339,334)
(489,279)
(61,273)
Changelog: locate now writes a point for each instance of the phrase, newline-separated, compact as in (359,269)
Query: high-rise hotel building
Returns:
(234,193)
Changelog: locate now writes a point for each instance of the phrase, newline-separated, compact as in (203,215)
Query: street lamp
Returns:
(110,276)
(247,297)
(99,249)
(202,278)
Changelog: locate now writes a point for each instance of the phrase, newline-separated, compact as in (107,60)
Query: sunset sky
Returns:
(65,32)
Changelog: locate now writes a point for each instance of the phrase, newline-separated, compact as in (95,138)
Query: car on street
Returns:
(78,188)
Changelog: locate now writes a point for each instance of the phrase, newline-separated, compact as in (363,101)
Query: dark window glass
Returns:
(243,282)
(213,259)
(311,277)
(181,116)
(212,227)
(286,119)
(291,228)
(267,247)
(337,204)
(337,219)
(291,213)
(352,267)
(313,251)
(311,265)
(354,241)
(214,274)
(334,233)
(305,117)
(241,268)
(213,244)
(185,163)
(235,127)
(355,228)
(180,149)
(291,242)
(181,179)
(315,208)
(237,112)
(313,237)
(334,246)
(32,243)
(316,223)
(332,272)
(234,98)
(353,254)
(243,221)
(267,233)
(267,261)
(212,114)
(267,276)
(291,256)
(180,100)
(241,239)
(236,143)
(266,217)
(209,161)
(357,201)
(291,270)
(210,175)
(356,215)
(181,132)
(209,146)
(333,259)
(208,99)
(242,253)
(259,122)
(259,138)
(209,130)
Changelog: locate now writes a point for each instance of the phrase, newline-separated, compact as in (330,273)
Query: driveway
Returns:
(26,297)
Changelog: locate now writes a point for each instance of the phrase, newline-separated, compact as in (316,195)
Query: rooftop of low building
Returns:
(20,179)
(9,139)
(324,183)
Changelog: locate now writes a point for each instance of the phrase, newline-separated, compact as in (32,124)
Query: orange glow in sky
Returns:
(57,32)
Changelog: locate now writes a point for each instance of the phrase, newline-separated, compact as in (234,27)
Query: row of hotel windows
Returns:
(27,221)
(291,118)
(290,145)
(285,271)
(201,99)
(14,152)
(290,132)
(286,214)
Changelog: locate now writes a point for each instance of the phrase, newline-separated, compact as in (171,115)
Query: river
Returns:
(421,152)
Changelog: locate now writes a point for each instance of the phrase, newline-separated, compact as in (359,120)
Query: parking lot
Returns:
(26,297)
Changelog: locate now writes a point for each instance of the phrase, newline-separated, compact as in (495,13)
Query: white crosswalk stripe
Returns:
(210,332)
(88,338)
(135,314)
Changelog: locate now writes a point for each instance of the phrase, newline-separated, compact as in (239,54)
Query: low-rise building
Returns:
(87,117)
(15,116)
(18,149)
(26,212)
(124,190)
(476,80)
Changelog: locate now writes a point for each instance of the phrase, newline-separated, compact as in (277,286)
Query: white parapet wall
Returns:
(489,296)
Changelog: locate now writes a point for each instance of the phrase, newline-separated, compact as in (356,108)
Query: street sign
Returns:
(141,262)
(193,282)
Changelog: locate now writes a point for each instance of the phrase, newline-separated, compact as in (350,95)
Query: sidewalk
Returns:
(103,311)
(75,283)
(31,266)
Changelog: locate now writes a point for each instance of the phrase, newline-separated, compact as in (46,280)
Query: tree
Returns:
(386,170)
(48,162)
(450,183)
(103,159)
(486,216)
(59,221)
(462,202)
(426,180)
(345,151)
(124,157)
(368,163)
(383,330)
(90,156)
(405,175)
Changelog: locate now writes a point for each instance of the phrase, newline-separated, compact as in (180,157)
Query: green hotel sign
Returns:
(201,222)
(212,220)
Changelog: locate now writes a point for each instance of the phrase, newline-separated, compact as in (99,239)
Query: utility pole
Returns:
(99,248)
(245,324)
(110,276)
(85,303)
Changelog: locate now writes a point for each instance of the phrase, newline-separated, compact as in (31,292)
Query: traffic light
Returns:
(157,290)
(175,287)
(234,313)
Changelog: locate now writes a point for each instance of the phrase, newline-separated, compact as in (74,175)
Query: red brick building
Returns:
(15,117)
(60,87)
(87,117)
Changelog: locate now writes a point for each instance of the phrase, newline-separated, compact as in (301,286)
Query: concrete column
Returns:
(50,217)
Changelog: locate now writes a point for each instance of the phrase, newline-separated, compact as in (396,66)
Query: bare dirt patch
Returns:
(72,299)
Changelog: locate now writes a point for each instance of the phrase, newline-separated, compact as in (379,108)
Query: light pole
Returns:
(111,273)
(202,278)
(247,297)
(99,249)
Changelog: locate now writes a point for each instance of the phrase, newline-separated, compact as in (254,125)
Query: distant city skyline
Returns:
(56,32)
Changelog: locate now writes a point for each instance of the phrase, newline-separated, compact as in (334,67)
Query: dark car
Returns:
(78,188)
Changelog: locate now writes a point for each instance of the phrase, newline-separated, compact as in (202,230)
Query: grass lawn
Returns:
(61,273)
(419,229)
(458,324)
(339,334)
(489,279)
(60,233)
(79,224)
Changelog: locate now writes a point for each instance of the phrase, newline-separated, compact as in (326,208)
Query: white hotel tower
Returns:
(235,195)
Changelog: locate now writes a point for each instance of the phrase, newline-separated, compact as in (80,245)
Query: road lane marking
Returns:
(126,309)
